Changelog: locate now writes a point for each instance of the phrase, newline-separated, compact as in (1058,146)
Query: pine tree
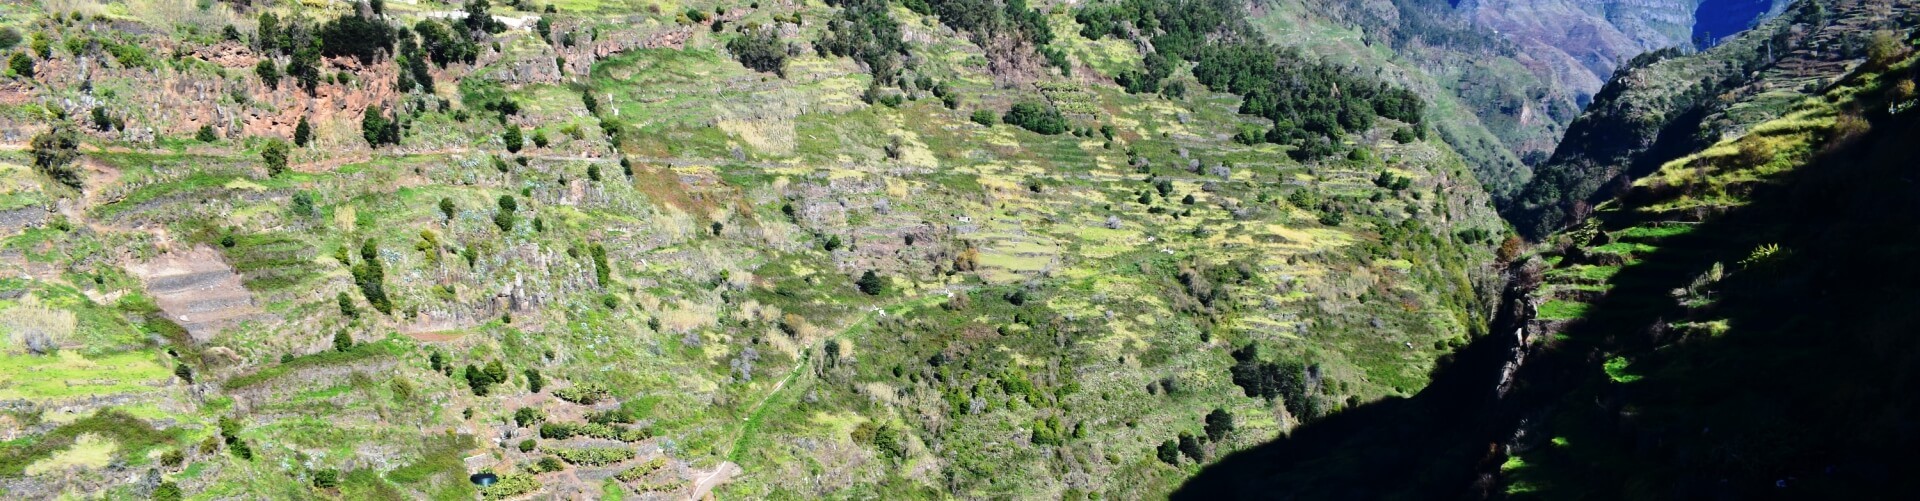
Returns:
(513,139)
(871,284)
(302,133)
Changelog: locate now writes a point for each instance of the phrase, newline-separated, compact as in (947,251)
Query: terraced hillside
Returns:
(665,250)
(1664,105)
(1731,325)
(1735,325)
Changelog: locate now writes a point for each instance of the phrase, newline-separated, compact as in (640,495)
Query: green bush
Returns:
(1038,117)
(871,283)
(302,133)
(54,152)
(528,416)
(376,129)
(866,32)
(275,156)
(984,117)
(21,64)
(512,138)
(1168,452)
(326,479)
(363,38)
(761,50)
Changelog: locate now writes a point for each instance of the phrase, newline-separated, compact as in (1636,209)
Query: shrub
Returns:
(604,272)
(512,138)
(347,309)
(1286,380)
(302,133)
(1884,49)
(479,23)
(527,445)
(1404,135)
(370,276)
(761,50)
(377,129)
(21,64)
(326,479)
(275,156)
(206,134)
(535,382)
(168,491)
(54,152)
(363,38)
(481,381)
(528,416)
(984,117)
(1219,424)
(866,32)
(1037,117)
(504,220)
(269,74)
(871,283)
(1190,447)
(342,341)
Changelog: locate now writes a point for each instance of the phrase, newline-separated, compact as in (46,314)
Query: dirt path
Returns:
(720,475)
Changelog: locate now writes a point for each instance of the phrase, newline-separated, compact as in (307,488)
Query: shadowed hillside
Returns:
(1738,325)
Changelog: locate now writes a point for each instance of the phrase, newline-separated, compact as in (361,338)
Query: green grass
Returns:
(1617,370)
(69,375)
(359,352)
(1654,233)
(1557,309)
(133,437)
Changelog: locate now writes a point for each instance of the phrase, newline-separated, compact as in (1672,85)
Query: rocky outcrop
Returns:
(18,219)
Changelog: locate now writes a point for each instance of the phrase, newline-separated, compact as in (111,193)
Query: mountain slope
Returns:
(1710,333)
(1714,332)
(856,249)
(1582,43)
(1664,104)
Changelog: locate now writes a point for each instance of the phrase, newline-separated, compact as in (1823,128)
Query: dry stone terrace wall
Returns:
(198,290)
